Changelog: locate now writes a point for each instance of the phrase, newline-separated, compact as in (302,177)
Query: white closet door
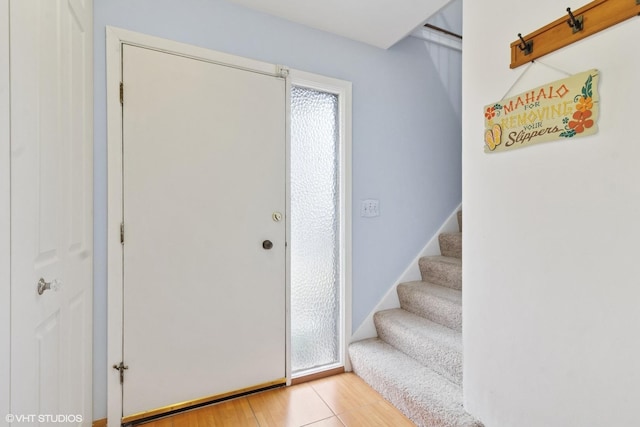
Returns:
(51,209)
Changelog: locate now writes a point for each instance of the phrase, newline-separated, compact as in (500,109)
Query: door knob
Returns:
(267,244)
(43,285)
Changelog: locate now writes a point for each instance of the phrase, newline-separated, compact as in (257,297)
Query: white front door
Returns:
(51,211)
(204,229)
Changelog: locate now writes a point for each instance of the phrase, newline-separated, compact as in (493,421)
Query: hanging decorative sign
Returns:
(566,108)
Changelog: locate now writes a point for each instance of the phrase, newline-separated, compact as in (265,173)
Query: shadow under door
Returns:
(204,170)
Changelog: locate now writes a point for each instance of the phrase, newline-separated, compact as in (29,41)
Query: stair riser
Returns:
(443,359)
(451,244)
(441,273)
(444,312)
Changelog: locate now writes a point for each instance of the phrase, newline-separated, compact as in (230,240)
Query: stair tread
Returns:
(453,295)
(452,233)
(434,302)
(424,396)
(421,326)
(443,259)
(428,342)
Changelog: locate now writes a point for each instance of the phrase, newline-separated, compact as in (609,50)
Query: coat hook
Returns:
(526,47)
(573,22)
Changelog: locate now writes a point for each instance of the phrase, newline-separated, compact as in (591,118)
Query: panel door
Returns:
(204,173)
(51,209)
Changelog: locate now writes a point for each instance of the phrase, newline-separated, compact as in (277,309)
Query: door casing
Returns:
(5,215)
(115,38)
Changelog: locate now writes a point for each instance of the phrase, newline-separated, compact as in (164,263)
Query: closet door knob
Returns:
(43,285)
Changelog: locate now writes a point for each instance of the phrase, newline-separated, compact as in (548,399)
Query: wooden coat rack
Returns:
(576,25)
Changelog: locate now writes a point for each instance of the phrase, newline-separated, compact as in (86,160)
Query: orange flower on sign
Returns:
(490,113)
(584,104)
(581,121)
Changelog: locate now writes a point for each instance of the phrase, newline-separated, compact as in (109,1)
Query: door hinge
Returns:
(121,368)
(282,71)
(122,233)
(121,93)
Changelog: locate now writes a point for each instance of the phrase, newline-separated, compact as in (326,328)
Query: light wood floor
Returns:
(340,400)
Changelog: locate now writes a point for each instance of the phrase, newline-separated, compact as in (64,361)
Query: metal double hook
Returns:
(573,22)
(525,46)
(576,23)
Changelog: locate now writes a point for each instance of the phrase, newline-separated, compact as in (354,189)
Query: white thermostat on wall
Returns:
(370,208)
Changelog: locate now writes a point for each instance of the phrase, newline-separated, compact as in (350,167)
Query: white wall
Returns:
(551,261)
(406,135)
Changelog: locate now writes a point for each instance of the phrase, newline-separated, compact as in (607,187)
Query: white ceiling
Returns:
(380,23)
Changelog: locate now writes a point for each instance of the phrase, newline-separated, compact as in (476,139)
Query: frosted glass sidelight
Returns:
(315,248)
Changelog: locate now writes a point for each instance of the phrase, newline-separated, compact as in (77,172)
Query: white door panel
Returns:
(51,207)
(203,171)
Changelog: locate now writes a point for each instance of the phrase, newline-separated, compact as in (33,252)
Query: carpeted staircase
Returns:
(416,361)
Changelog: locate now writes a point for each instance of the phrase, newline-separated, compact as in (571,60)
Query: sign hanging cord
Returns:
(555,68)
(527,69)
(517,80)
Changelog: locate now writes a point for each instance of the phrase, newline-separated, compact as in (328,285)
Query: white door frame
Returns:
(5,216)
(115,37)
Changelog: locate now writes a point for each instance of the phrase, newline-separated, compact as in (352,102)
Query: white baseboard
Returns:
(367,329)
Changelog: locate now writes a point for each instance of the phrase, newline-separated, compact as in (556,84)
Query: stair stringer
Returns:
(367,328)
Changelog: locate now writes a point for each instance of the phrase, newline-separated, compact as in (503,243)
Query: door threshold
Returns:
(153,414)
(317,375)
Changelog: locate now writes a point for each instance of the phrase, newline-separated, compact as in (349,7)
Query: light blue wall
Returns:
(406,135)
